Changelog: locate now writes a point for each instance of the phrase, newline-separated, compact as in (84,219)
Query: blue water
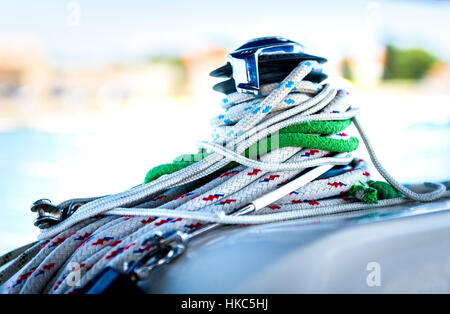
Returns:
(36,164)
(18,187)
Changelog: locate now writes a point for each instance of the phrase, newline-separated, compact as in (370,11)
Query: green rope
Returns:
(304,140)
(318,127)
(364,193)
(291,136)
(373,191)
(163,169)
(385,190)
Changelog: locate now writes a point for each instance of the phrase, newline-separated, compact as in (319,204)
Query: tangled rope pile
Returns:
(259,144)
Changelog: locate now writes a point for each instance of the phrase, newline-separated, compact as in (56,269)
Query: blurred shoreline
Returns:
(415,97)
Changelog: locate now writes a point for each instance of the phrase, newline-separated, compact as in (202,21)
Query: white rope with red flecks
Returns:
(91,242)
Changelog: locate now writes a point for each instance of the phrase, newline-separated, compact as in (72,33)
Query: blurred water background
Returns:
(95,93)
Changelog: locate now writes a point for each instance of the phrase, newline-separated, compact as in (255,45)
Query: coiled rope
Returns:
(305,123)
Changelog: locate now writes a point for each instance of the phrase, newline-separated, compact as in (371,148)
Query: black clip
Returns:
(167,246)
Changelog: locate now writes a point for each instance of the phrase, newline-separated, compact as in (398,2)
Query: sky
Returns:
(123,31)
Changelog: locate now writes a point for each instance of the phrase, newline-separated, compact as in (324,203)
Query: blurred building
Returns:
(24,73)
(199,65)
(30,87)
(438,79)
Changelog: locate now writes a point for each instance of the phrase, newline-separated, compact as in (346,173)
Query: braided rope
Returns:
(6,258)
(20,258)
(205,191)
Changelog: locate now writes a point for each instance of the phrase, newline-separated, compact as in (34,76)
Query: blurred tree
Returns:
(177,64)
(407,64)
(346,70)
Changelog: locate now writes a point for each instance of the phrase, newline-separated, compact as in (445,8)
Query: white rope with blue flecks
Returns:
(93,243)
